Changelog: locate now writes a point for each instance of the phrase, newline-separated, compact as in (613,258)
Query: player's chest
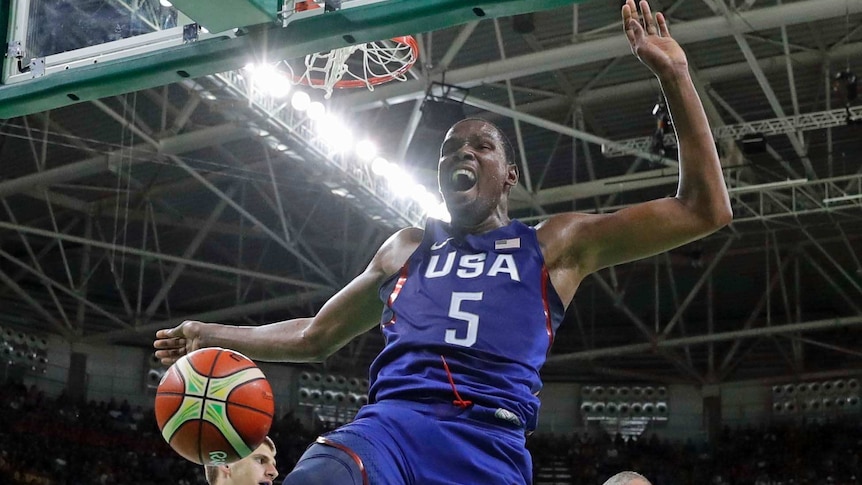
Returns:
(454,265)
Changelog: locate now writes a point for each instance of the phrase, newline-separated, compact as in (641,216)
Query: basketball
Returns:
(214,406)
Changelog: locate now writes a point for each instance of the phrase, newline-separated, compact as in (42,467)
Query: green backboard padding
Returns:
(221,15)
(314,34)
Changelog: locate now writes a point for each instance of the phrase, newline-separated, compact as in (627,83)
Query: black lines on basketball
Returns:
(201,444)
(246,407)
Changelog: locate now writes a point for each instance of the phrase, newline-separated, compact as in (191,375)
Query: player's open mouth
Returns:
(462,180)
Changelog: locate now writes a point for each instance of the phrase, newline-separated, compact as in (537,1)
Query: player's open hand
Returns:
(173,343)
(650,40)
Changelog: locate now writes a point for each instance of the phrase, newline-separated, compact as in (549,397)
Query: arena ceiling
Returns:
(197,200)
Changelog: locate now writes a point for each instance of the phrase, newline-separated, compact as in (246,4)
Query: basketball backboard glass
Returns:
(64,51)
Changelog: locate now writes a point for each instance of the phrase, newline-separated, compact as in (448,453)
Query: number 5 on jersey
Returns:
(472,319)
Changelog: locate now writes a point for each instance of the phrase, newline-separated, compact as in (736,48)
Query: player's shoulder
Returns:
(560,224)
(560,235)
(397,249)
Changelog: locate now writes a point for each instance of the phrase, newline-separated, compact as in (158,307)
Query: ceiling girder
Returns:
(607,48)
(187,142)
(812,326)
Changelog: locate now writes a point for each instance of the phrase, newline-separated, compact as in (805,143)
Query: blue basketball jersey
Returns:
(470,321)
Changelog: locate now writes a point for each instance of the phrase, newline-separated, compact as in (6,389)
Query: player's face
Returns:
(473,173)
(257,468)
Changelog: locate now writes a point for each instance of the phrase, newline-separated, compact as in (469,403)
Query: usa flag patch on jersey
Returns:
(514,243)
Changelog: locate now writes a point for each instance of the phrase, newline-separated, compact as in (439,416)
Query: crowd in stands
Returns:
(54,441)
(816,453)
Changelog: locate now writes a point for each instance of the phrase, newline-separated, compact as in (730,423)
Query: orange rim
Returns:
(407,40)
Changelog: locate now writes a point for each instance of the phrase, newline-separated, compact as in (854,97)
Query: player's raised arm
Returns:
(580,244)
(350,312)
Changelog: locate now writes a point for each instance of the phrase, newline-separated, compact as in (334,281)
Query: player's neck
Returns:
(495,220)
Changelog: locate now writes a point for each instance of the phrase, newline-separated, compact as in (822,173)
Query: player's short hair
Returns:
(211,471)
(508,149)
(623,478)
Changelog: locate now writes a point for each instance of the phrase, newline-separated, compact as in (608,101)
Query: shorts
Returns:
(406,443)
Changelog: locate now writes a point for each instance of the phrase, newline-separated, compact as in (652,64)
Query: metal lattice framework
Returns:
(774,126)
(205,199)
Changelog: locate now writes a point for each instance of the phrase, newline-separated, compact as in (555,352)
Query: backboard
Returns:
(64,51)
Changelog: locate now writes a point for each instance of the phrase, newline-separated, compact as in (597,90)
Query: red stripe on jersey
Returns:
(350,453)
(402,278)
(546,306)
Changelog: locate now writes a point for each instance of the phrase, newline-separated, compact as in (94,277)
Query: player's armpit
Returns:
(357,307)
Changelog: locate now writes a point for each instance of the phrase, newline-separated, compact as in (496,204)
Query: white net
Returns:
(363,65)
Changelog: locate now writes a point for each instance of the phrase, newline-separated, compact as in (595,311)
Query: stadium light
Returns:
(334,133)
(300,100)
(440,212)
(316,110)
(366,150)
(380,166)
(269,80)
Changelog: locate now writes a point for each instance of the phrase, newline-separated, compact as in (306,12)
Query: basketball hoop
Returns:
(363,65)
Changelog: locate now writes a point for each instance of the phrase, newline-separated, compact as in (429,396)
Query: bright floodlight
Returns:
(269,80)
(300,101)
(165,3)
(400,181)
(440,212)
(426,200)
(334,133)
(366,150)
(316,110)
(380,166)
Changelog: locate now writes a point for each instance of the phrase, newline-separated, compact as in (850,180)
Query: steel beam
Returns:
(609,48)
(190,250)
(697,286)
(161,256)
(566,130)
(63,288)
(219,315)
(139,153)
(812,326)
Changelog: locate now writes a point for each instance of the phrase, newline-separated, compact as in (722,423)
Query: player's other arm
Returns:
(352,311)
(580,244)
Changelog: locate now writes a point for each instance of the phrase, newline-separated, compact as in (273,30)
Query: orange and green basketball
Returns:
(214,406)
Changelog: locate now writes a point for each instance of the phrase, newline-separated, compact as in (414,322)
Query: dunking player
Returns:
(258,468)
(470,308)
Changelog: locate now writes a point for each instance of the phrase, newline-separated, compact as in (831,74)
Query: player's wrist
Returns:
(674,74)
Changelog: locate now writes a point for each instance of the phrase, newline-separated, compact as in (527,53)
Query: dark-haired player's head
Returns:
(257,468)
(476,172)
(508,149)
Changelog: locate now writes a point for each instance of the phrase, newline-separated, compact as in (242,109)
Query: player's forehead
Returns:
(264,451)
(467,129)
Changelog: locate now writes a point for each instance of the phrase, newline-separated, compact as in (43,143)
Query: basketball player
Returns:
(470,308)
(627,478)
(256,469)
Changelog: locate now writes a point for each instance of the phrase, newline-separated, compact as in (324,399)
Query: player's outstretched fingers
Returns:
(648,21)
(662,25)
(631,24)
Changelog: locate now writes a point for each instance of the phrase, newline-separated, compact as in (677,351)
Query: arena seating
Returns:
(53,441)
